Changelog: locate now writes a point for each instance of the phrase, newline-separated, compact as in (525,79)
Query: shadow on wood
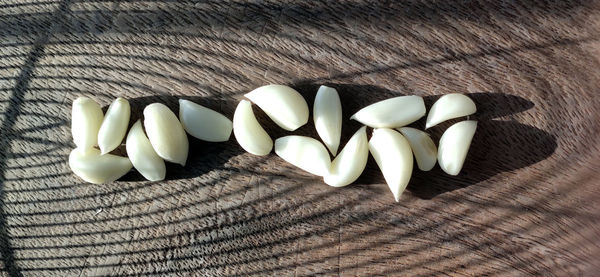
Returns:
(498,146)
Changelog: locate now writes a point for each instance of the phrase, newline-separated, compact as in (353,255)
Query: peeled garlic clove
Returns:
(351,161)
(306,153)
(204,123)
(248,132)
(284,105)
(114,126)
(392,113)
(422,147)
(327,113)
(98,169)
(393,156)
(454,145)
(165,133)
(450,106)
(142,155)
(86,118)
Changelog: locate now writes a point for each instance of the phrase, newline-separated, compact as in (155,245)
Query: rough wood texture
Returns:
(526,202)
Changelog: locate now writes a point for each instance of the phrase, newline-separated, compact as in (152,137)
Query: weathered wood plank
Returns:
(525,204)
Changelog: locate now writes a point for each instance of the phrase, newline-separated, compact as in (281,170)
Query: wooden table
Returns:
(526,202)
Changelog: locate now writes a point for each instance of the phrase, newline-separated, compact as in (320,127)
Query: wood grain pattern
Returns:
(526,202)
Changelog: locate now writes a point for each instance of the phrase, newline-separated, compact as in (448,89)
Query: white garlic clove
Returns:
(327,114)
(392,113)
(351,161)
(306,153)
(86,118)
(422,146)
(284,105)
(204,123)
(114,126)
(450,106)
(394,157)
(248,132)
(454,145)
(165,133)
(98,169)
(142,154)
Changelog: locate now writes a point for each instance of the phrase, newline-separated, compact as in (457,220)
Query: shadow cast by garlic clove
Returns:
(498,146)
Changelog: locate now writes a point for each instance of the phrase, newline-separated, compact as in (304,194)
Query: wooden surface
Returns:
(526,202)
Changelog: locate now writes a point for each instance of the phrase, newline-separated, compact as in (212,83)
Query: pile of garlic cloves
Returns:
(392,144)
(164,139)
(163,136)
